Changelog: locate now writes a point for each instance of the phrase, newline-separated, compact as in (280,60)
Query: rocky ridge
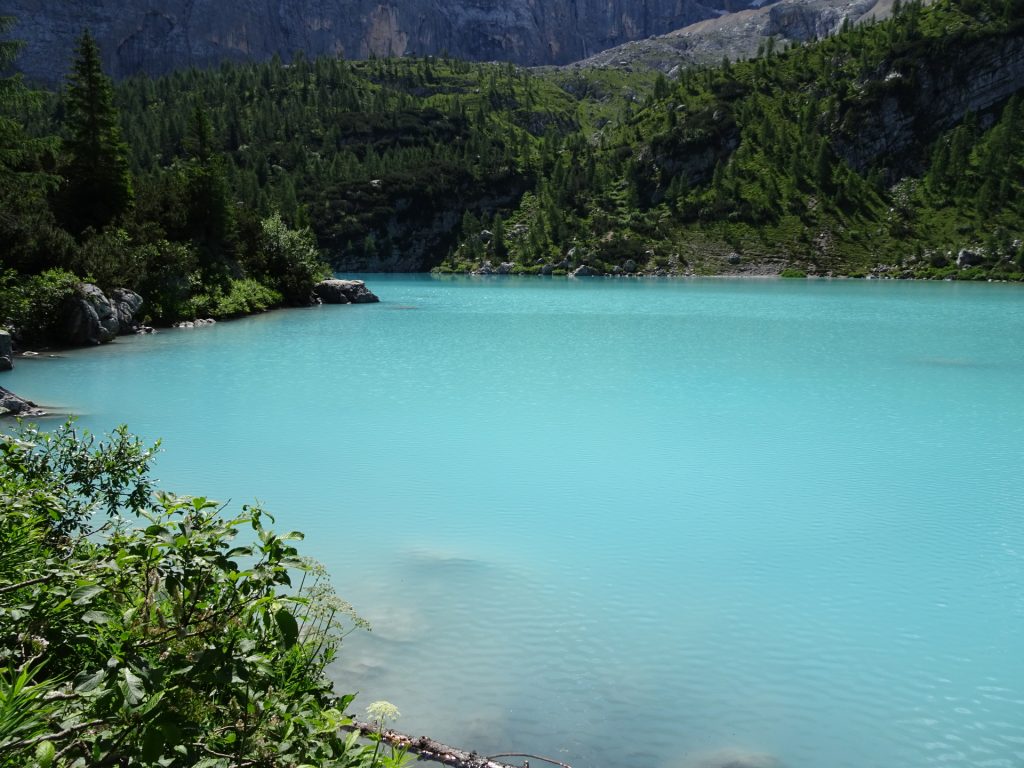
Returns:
(157,37)
(739,35)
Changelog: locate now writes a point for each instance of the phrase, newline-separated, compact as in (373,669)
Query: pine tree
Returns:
(98,185)
(500,246)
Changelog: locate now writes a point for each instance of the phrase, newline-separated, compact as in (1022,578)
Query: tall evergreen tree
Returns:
(98,184)
(29,241)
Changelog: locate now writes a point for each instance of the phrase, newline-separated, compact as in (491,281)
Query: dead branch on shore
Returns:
(429,749)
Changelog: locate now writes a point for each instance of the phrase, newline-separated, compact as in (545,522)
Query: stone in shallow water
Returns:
(733,758)
(12,405)
(344,292)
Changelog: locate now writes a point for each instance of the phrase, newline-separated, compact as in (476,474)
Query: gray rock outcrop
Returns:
(126,306)
(738,34)
(6,351)
(90,317)
(969,258)
(585,271)
(12,405)
(158,36)
(344,292)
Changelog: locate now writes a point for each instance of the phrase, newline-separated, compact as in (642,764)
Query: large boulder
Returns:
(585,271)
(6,351)
(12,405)
(126,306)
(344,292)
(89,318)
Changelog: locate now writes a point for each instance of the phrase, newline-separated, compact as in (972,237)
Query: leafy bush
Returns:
(242,297)
(292,260)
(31,306)
(792,272)
(135,630)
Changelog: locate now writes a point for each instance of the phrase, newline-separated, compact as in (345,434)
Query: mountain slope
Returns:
(892,145)
(158,36)
(740,35)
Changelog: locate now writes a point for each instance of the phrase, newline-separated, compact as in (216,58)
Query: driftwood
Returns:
(429,749)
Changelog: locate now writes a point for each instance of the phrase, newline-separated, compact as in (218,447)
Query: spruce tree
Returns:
(98,185)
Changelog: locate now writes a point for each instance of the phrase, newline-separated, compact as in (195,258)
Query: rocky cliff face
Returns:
(737,35)
(157,36)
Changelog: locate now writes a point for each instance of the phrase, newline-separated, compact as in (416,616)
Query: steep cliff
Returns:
(157,36)
(738,35)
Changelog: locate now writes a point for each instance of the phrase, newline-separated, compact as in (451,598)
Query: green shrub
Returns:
(792,272)
(160,639)
(31,306)
(292,260)
(242,297)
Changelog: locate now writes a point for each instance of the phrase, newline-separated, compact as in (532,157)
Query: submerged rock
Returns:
(344,292)
(734,758)
(12,405)
(6,351)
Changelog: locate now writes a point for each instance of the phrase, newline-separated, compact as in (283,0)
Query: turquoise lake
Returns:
(630,523)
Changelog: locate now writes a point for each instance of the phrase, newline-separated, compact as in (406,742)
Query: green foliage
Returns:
(138,630)
(32,305)
(786,154)
(240,297)
(261,172)
(372,156)
(291,260)
(29,239)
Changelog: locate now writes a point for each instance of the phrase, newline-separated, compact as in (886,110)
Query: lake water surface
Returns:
(630,523)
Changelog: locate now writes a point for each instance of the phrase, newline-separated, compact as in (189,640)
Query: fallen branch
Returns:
(535,757)
(429,749)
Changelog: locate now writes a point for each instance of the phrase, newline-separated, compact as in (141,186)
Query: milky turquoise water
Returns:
(628,523)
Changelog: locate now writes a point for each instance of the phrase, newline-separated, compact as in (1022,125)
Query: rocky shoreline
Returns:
(966,265)
(90,318)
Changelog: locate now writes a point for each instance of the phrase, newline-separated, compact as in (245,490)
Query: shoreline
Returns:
(333,291)
(31,409)
(723,276)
